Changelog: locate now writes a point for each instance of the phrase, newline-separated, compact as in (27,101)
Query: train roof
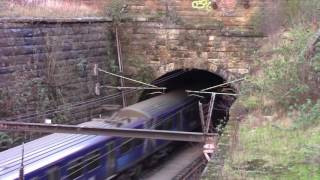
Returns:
(153,107)
(54,147)
(46,150)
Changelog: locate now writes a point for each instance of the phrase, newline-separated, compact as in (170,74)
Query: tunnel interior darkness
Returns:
(188,79)
(197,79)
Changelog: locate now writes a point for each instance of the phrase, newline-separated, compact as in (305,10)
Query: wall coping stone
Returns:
(74,20)
(244,31)
(55,20)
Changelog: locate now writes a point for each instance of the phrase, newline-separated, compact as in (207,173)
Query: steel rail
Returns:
(120,132)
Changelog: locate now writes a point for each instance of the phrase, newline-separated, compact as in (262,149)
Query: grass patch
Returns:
(273,152)
(280,139)
(309,114)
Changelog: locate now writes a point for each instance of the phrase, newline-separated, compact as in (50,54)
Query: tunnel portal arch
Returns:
(189,79)
(198,79)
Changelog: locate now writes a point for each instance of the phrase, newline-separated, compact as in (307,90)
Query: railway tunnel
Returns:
(196,80)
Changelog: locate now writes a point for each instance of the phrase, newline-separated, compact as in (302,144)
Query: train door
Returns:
(111,158)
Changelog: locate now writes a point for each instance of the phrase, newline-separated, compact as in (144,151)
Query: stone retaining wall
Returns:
(46,64)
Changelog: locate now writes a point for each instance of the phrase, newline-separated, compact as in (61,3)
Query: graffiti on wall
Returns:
(202,4)
(225,6)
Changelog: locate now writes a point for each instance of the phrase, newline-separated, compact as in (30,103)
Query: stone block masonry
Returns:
(48,64)
(166,48)
(171,35)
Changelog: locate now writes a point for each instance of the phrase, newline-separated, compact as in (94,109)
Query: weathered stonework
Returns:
(40,56)
(44,65)
(184,37)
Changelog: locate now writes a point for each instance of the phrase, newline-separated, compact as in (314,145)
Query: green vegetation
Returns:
(5,141)
(138,70)
(270,152)
(288,78)
(309,115)
(116,10)
(279,138)
(300,12)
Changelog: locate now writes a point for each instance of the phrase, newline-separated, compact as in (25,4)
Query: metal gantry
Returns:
(114,131)
(205,137)
(209,143)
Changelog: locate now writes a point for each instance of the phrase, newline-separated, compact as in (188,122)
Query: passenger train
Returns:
(88,157)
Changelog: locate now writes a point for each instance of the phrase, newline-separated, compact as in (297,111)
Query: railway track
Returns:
(185,163)
(193,171)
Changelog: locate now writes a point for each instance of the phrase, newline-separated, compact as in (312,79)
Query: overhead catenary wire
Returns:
(223,84)
(64,108)
(82,103)
(204,92)
(52,111)
(168,77)
(126,78)
(123,143)
(158,81)
(134,88)
(97,100)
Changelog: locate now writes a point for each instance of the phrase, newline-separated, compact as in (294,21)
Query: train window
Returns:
(137,142)
(170,123)
(75,169)
(161,126)
(93,160)
(125,146)
(53,173)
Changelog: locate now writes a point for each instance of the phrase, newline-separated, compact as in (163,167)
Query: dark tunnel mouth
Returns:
(196,80)
(188,79)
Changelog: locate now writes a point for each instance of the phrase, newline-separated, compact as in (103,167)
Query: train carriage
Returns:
(74,156)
